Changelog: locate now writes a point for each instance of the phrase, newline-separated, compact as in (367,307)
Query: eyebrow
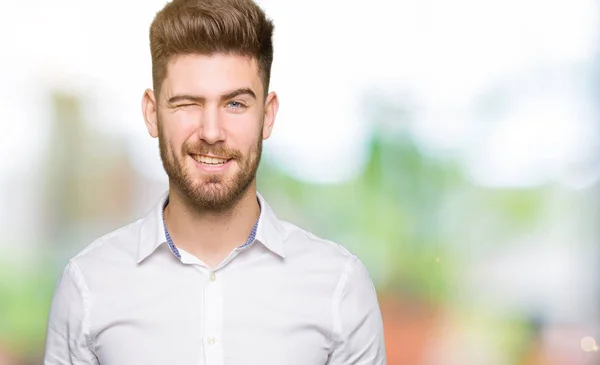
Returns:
(200,99)
(238,92)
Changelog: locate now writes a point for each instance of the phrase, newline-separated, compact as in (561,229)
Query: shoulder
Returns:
(306,246)
(91,262)
(297,238)
(334,264)
(115,246)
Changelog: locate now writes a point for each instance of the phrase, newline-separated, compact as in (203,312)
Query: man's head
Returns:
(210,107)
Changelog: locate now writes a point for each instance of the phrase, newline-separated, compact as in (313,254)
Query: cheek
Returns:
(244,131)
(184,124)
(176,132)
(245,141)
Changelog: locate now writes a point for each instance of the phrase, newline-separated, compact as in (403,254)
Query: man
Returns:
(211,276)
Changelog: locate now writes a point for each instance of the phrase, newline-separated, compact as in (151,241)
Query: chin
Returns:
(213,201)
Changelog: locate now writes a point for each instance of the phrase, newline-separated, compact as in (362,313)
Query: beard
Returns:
(213,192)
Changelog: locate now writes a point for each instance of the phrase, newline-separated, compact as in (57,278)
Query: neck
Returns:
(210,235)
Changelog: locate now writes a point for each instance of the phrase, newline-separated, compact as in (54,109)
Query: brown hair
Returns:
(210,26)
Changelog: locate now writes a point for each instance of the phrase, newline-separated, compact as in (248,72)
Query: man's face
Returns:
(210,120)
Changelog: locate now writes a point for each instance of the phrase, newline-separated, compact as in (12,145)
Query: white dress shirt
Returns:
(287,298)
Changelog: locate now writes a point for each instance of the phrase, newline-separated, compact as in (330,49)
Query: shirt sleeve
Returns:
(66,334)
(357,320)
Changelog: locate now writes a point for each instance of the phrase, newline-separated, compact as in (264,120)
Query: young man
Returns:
(211,276)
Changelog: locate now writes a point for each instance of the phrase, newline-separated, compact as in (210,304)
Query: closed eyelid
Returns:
(189,99)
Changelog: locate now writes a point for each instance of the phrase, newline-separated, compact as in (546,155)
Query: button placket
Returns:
(213,320)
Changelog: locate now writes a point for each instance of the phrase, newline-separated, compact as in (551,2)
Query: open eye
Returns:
(236,105)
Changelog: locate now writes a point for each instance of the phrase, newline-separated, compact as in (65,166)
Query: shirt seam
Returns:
(337,298)
(86,299)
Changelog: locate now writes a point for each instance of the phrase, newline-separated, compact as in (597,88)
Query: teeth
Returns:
(209,160)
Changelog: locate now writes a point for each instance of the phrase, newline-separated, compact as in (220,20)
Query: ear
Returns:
(271,108)
(150,110)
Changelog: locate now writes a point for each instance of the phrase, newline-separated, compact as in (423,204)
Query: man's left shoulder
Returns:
(300,242)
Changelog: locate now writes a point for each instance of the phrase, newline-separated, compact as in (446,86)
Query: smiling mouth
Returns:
(210,160)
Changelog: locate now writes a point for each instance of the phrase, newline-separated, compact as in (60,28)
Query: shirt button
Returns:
(213,277)
(212,340)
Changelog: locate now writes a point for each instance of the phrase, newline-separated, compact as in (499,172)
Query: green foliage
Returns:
(25,297)
(405,215)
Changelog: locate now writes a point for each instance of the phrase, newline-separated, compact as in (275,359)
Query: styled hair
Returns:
(206,27)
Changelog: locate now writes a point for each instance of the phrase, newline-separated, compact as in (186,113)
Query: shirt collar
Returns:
(152,234)
(270,230)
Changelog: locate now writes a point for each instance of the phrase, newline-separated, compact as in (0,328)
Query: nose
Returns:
(211,128)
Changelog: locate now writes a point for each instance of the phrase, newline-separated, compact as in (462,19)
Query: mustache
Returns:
(203,148)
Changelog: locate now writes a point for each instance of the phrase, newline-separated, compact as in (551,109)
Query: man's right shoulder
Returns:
(119,245)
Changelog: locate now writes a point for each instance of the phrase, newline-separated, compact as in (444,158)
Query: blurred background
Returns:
(454,146)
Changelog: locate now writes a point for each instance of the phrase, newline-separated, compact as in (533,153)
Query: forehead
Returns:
(211,75)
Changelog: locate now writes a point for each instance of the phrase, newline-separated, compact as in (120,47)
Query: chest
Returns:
(217,321)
